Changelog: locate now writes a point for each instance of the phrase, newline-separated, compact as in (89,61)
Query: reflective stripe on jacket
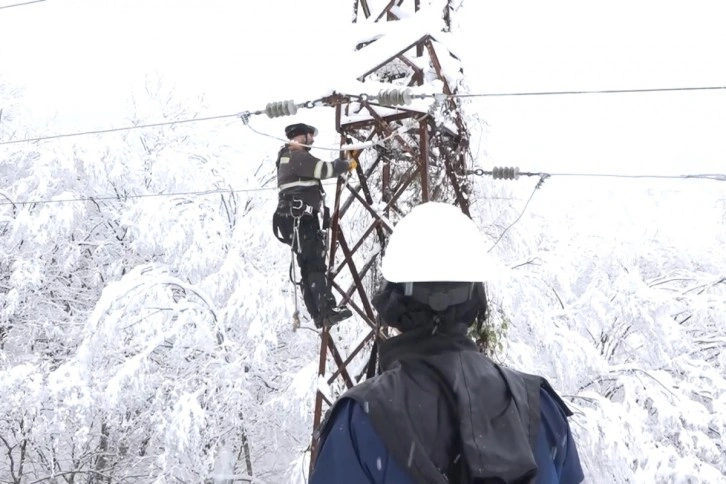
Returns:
(299,174)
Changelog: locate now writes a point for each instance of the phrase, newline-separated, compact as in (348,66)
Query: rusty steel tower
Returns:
(420,152)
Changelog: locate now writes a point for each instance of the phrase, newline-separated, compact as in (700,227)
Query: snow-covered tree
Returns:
(146,311)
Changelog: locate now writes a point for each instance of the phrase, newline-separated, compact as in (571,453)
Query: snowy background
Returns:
(147,337)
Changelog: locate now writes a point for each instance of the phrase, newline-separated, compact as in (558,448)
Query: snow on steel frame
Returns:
(399,172)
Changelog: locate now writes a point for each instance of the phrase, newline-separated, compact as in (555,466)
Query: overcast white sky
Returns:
(79,61)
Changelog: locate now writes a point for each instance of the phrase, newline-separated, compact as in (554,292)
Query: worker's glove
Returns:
(352,164)
(353,154)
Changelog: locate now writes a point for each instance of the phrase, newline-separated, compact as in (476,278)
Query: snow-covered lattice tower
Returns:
(420,151)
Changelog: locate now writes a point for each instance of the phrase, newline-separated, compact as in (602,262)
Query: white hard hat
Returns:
(436,242)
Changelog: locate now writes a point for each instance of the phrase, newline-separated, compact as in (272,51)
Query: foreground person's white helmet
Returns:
(438,256)
(436,242)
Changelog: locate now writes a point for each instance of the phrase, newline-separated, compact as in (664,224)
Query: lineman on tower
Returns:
(296,220)
(442,412)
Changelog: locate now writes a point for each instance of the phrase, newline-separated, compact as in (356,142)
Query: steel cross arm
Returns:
(363,180)
(403,184)
(436,63)
(335,99)
(352,355)
(415,43)
(363,186)
(386,10)
(367,205)
(404,114)
(374,225)
(378,219)
(325,343)
(424,159)
(358,309)
(366,8)
(339,361)
(322,360)
(335,222)
(354,272)
(386,128)
(349,293)
(451,173)
(417,71)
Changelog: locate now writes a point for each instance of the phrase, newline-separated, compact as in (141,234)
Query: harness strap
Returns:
(296,314)
(295,207)
(296,234)
(298,208)
(299,183)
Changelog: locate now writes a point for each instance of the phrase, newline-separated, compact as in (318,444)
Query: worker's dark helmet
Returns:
(300,128)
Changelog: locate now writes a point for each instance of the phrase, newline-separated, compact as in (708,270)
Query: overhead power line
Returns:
(390,97)
(114,130)
(543,176)
(536,187)
(92,198)
(705,176)
(601,91)
(20,4)
(512,173)
(348,147)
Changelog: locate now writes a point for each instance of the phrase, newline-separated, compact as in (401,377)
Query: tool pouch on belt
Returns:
(282,227)
(326,218)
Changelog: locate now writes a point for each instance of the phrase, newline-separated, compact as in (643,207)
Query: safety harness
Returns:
(295,208)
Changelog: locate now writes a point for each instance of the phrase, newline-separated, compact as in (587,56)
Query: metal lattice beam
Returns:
(410,150)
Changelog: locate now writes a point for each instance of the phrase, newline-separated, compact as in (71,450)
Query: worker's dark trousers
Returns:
(311,261)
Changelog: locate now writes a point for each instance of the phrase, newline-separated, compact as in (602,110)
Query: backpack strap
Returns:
(526,386)
(456,470)
(560,403)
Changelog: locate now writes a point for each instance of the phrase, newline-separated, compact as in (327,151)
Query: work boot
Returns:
(334,316)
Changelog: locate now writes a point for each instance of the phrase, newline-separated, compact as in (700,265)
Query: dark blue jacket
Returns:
(352,453)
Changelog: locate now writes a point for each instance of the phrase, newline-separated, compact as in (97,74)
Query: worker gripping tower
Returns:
(420,151)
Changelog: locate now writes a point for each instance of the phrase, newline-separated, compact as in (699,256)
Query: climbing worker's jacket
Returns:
(301,193)
(299,174)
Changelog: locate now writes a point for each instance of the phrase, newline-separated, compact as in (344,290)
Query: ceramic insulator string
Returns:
(394,97)
(281,108)
(505,173)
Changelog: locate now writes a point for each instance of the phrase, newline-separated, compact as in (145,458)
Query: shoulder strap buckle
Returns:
(298,208)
